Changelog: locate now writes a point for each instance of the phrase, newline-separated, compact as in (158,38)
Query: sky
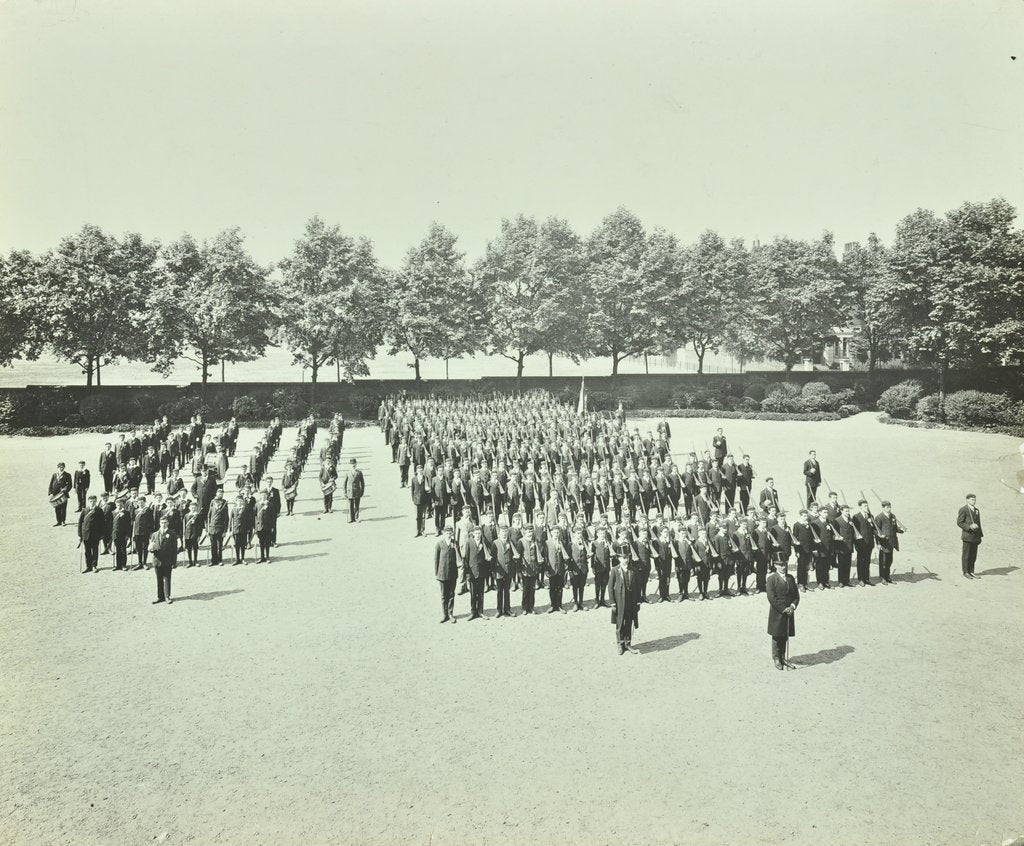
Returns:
(755,119)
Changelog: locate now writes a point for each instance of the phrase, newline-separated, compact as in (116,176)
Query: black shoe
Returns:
(157,601)
(445,620)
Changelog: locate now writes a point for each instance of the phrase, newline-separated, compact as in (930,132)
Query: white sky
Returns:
(752,118)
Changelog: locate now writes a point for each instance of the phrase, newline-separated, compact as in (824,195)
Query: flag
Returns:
(581,407)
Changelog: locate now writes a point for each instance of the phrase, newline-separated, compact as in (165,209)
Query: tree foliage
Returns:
(92,293)
(702,307)
(329,297)
(19,309)
(865,272)
(956,292)
(213,304)
(793,301)
(530,277)
(436,306)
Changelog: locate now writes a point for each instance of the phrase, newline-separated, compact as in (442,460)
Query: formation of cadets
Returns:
(135,516)
(525,494)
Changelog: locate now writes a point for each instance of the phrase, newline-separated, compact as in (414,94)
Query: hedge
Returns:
(901,399)
(734,415)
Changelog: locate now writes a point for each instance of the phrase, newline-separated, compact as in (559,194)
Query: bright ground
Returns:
(316,699)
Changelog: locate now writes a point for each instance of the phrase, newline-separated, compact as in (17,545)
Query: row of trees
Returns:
(948,291)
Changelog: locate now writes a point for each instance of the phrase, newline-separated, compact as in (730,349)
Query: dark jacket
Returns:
(782,592)
(964,519)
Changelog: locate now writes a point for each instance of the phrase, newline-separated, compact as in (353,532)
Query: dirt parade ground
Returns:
(315,698)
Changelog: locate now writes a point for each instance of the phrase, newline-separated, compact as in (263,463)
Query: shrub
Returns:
(812,389)
(927,408)
(849,409)
(50,407)
(142,408)
(781,403)
(787,389)
(599,401)
(748,404)
(178,411)
(756,389)
(901,399)
(1014,415)
(246,407)
(103,409)
(10,412)
(288,403)
(976,408)
(365,405)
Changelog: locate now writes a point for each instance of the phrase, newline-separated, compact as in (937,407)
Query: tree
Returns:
(793,301)
(435,305)
(864,270)
(528,277)
(702,307)
(956,292)
(19,318)
(214,304)
(92,296)
(329,294)
(625,281)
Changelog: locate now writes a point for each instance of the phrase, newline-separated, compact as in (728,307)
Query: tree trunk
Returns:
(700,362)
(88,371)
(97,372)
(647,367)
(551,365)
(416,367)
(446,368)
(615,363)
(206,367)
(314,368)
(222,371)
(337,363)
(519,365)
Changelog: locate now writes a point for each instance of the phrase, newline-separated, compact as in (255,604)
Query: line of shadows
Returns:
(665,643)
(825,656)
(213,594)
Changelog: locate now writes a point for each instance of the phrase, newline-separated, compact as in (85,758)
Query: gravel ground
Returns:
(315,699)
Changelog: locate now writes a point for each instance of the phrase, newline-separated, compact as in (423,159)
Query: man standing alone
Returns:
(783,598)
(622,591)
(164,546)
(969,521)
(355,486)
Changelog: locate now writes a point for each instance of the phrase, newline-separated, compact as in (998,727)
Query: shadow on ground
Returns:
(825,656)
(213,594)
(913,578)
(665,643)
(997,571)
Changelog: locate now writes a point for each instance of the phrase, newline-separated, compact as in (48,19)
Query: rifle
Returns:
(899,523)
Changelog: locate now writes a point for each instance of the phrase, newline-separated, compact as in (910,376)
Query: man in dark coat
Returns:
(783,598)
(969,521)
(81,484)
(355,487)
(889,529)
(420,499)
(812,477)
(59,490)
(446,571)
(164,545)
(532,564)
(622,590)
(477,556)
(863,541)
(107,466)
(142,527)
(504,569)
(217,520)
(91,525)
(121,531)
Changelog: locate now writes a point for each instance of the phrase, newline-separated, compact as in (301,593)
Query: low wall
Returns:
(359,398)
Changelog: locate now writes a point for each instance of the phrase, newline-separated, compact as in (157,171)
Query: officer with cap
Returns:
(783,598)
